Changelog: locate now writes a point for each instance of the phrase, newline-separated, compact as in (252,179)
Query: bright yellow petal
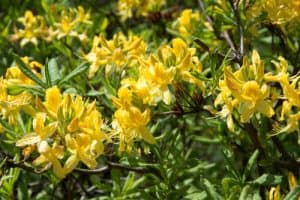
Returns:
(147,136)
(265,108)
(292,180)
(53,99)
(28,139)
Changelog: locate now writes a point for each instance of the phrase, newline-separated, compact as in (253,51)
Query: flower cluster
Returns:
(141,7)
(65,129)
(68,23)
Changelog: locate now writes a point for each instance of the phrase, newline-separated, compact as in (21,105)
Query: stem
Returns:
(224,34)
(240,27)
(110,165)
(255,139)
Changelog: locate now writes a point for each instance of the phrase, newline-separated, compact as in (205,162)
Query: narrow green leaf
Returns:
(267,179)
(294,194)
(128,183)
(79,70)
(17,89)
(251,162)
(47,75)
(212,193)
(23,67)
(207,140)
(53,71)
(245,192)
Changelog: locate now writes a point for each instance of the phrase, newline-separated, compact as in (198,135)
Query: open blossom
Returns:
(130,123)
(69,23)
(67,128)
(34,29)
(245,91)
(121,51)
(186,22)
(142,7)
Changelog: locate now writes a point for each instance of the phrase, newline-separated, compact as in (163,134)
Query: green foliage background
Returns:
(196,156)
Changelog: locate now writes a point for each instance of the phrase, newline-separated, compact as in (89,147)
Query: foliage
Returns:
(135,99)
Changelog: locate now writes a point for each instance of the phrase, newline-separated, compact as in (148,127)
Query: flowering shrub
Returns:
(135,99)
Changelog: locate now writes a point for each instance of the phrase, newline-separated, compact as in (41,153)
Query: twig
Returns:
(255,139)
(21,165)
(224,34)
(111,165)
(92,171)
(239,25)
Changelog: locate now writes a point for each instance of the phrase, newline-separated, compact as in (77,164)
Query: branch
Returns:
(224,34)
(111,165)
(239,25)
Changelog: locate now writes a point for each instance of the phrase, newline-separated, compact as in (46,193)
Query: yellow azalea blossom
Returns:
(184,60)
(186,20)
(70,20)
(79,146)
(130,124)
(274,193)
(278,11)
(142,7)
(53,100)
(290,92)
(34,28)
(125,98)
(250,94)
(41,132)
(120,51)
(10,106)
(50,155)
(292,180)
(229,104)
(156,76)
(65,122)
(281,11)
(245,90)
(15,76)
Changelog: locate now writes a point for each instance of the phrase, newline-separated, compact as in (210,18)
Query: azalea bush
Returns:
(162,99)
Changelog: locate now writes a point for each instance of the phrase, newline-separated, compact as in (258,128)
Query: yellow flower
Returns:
(34,28)
(50,156)
(67,123)
(281,11)
(131,124)
(244,90)
(124,100)
(79,146)
(41,132)
(250,94)
(274,193)
(10,106)
(120,51)
(70,21)
(53,100)
(15,76)
(143,8)
(229,104)
(186,19)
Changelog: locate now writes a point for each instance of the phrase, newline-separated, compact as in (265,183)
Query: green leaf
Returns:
(23,67)
(76,72)
(251,162)
(267,179)
(206,140)
(197,195)
(294,194)
(211,191)
(128,183)
(17,89)
(245,192)
(53,71)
